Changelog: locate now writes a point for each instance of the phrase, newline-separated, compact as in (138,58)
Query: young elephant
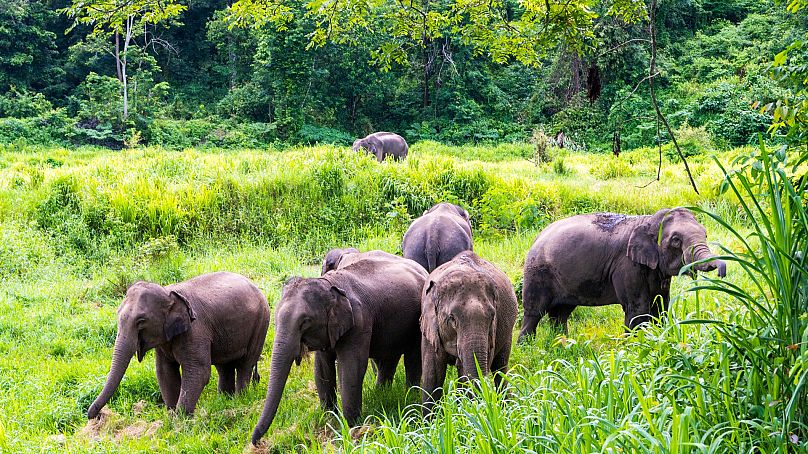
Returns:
(382,145)
(468,309)
(607,258)
(369,309)
(436,237)
(217,318)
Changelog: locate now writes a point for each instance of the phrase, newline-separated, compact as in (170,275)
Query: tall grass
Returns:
(771,333)
(78,226)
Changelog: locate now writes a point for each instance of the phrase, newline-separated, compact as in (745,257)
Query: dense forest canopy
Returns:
(253,72)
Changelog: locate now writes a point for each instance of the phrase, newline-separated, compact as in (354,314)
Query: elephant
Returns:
(468,310)
(218,319)
(607,258)
(442,232)
(366,310)
(383,144)
(340,258)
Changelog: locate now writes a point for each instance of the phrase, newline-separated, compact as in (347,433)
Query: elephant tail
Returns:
(432,250)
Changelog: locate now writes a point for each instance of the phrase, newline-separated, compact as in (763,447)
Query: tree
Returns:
(123,21)
(503,29)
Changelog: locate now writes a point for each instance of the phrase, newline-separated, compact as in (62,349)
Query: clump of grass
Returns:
(770,334)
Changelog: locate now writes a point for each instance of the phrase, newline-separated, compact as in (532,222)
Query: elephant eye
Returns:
(676,242)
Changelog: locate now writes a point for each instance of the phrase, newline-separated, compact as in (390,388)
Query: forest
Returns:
(196,76)
(151,147)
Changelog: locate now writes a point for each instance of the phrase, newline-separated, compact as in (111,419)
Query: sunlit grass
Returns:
(77,226)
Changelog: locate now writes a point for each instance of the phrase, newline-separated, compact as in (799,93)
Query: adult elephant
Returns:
(468,309)
(216,319)
(436,237)
(383,144)
(369,309)
(608,258)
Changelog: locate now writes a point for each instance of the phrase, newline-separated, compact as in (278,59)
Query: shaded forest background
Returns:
(196,81)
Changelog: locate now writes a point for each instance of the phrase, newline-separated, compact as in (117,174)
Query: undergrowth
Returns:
(78,226)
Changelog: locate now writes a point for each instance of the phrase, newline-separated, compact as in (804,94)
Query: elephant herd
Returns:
(438,305)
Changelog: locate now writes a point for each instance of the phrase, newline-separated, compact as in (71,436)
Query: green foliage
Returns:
(22,104)
(770,334)
(78,226)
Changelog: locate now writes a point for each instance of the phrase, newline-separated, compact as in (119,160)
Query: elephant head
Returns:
(334,256)
(313,314)
(459,317)
(370,143)
(671,239)
(149,316)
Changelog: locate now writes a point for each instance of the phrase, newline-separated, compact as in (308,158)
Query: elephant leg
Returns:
(325,378)
(227,378)
(662,299)
(536,298)
(352,368)
(559,314)
(413,366)
(168,378)
(633,294)
(386,369)
(499,367)
(433,376)
(195,375)
(244,374)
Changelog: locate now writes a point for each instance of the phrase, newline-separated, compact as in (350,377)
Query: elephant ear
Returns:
(340,316)
(179,317)
(643,243)
(429,318)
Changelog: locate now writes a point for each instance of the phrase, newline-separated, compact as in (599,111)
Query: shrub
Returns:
(311,135)
(23,104)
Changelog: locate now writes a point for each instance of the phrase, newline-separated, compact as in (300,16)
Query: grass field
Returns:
(78,226)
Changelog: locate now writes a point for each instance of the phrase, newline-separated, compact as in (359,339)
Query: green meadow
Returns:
(77,226)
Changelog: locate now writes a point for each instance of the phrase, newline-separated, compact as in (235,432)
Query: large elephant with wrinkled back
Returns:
(609,258)
(383,144)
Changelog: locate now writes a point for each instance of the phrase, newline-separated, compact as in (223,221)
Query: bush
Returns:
(312,135)
(23,104)
(53,127)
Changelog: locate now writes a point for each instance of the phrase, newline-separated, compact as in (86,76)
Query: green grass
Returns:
(78,226)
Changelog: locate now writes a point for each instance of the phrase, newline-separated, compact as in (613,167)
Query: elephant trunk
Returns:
(702,252)
(283,353)
(474,346)
(125,346)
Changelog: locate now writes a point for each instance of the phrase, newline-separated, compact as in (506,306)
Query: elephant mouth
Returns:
(141,349)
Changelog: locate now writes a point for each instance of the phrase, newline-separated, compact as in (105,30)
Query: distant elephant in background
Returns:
(608,258)
(340,258)
(217,318)
(366,310)
(383,144)
(468,309)
(436,237)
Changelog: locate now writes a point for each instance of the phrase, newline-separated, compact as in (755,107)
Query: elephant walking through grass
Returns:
(218,319)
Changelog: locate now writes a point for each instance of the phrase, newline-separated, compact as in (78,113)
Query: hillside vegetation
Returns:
(77,227)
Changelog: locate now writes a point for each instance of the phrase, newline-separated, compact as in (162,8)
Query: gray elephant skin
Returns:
(369,309)
(468,310)
(436,237)
(218,319)
(340,258)
(608,258)
(383,144)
